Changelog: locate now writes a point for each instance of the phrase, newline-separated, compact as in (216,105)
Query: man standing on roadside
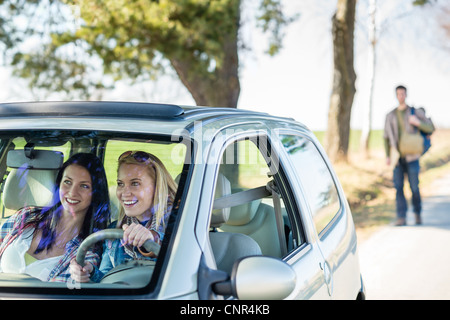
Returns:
(398,122)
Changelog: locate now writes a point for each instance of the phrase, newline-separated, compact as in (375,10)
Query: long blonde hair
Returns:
(165,186)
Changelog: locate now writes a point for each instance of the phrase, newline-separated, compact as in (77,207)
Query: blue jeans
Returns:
(411,169)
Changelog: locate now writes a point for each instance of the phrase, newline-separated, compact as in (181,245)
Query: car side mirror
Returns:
(258,278)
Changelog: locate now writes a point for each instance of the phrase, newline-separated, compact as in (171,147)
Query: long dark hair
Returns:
(98,214)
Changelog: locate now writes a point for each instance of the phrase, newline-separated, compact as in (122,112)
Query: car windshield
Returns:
(37,195)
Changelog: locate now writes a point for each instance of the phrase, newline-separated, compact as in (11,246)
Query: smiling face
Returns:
(75,190)
(135,190)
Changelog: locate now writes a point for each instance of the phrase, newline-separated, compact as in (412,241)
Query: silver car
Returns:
(259,212)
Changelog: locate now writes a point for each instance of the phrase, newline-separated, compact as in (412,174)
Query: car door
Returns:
(331,217)
(249,162)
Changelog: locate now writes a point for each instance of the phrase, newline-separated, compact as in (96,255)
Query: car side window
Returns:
(315,177)
(257,208)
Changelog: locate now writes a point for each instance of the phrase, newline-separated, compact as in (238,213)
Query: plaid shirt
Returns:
(12,228)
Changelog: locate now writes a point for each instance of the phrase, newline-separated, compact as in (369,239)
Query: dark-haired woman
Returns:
(41,242)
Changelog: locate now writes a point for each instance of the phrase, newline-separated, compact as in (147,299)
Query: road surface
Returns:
(411,262)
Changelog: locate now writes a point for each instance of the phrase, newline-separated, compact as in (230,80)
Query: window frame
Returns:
(98,146)
(267,147)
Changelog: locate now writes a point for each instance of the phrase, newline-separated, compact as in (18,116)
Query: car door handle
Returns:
(325,267)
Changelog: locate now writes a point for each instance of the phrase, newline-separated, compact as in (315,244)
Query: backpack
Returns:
(426,136)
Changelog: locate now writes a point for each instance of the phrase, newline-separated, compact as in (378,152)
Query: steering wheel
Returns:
(101,235)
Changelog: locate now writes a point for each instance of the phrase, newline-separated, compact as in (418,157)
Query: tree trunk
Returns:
(221,87)
(343,91)
(367,123)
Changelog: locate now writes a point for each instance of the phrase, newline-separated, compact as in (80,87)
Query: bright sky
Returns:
(297,82)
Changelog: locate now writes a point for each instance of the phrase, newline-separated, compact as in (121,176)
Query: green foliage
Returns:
(128,35)
(52,73)
(422,2)
(134,39)
(272,19)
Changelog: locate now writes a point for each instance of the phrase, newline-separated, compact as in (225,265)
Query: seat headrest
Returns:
(32,176)
(28,188)
(244,213)
(223,188)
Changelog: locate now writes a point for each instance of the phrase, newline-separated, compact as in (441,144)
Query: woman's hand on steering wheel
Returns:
(79,273)
(136,234)
(149,245)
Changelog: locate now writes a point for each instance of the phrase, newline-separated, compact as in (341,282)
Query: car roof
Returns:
(90,108)
(113,109)
(168,113)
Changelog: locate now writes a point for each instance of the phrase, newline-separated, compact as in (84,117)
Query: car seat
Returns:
(228,246)
(257,220)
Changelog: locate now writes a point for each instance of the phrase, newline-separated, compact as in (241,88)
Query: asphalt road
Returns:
(411,262)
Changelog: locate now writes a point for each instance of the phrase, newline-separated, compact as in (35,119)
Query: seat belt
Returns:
(246,196)
(241,197)
(278,216)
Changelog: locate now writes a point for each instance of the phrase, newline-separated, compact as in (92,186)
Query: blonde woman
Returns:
(145,191)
